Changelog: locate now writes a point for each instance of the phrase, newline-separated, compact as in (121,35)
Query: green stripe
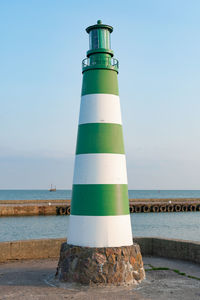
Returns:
(100,138)
(100,81)
(100,199)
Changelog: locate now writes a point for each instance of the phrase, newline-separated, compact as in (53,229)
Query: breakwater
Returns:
(62,207)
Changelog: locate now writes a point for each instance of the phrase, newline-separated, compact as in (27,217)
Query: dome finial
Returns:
(99,22)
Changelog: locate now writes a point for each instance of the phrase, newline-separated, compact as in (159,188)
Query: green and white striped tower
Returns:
(100,207)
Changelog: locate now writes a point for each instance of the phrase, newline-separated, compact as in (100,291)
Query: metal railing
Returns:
(104,62)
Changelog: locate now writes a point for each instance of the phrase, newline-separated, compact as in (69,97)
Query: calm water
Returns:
(170,225)
(66,194)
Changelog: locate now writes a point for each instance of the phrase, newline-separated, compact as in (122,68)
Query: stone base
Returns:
(101,266)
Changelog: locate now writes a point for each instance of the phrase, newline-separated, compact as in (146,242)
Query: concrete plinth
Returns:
(101,266)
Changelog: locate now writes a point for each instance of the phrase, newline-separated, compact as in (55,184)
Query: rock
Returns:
(101,266)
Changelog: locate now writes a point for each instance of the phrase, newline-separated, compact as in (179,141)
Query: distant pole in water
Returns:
(52,189)
(100,206)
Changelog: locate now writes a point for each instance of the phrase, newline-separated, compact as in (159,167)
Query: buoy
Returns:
(57,210)
(184,207)
(146,208)
(170,208)
(62,210)
(163,208)
(192,207)
(155,208)
(138,208)
(100,207)
(177,208)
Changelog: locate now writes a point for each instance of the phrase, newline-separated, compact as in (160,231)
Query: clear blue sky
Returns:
(42,44)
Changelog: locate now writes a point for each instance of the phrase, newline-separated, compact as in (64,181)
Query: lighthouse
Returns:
(99,247)
(100,207)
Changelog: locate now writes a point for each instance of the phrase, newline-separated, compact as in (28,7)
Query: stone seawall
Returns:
(27,210)
(33,207)
(62,207)
(150,246)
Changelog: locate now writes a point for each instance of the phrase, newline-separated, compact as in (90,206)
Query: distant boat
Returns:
(52,189)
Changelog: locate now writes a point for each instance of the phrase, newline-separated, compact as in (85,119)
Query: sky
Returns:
(42,44)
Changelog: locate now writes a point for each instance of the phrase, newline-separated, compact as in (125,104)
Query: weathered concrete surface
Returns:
(102,266)
(35,202)
(170,248)
(49,248)
(30,249)
(35,280)
(190,269)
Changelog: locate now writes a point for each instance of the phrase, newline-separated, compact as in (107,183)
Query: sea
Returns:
(178,225)
(66,194)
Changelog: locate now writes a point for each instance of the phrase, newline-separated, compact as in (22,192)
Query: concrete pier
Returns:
(62,207)
(28,274)
(34,279)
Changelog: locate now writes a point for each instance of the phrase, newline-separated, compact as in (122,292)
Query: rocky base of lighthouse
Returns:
(100,266)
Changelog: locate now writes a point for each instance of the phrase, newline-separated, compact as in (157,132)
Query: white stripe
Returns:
(100,231)
(100,168)
(100,108)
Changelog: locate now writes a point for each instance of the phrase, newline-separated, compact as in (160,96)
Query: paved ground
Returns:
(35,280)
